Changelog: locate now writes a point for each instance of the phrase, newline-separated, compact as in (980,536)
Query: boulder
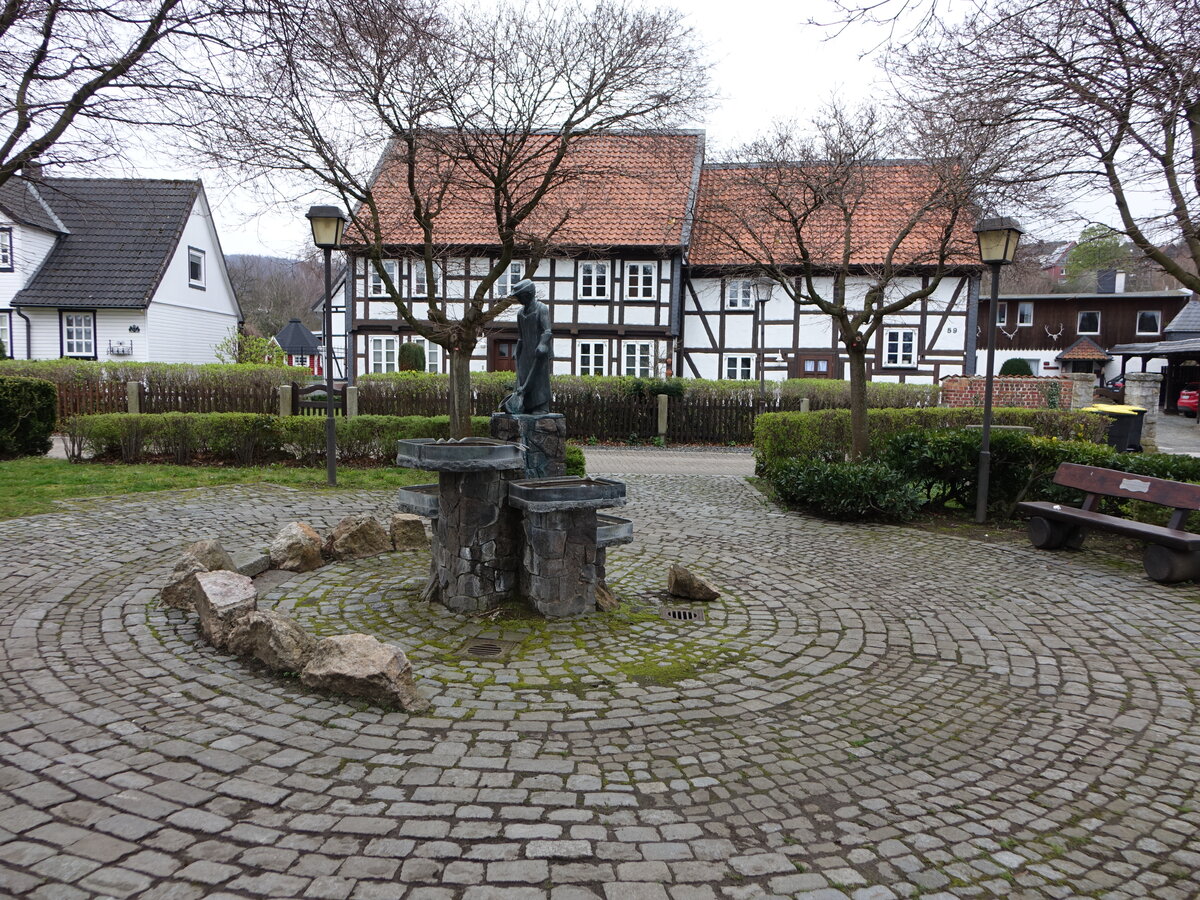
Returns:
(222,598)
(273,639)
(296,548)
(605,601)
(684,583)
(202,556)
(251,562)
(357,537)
(408,532)
(361,666)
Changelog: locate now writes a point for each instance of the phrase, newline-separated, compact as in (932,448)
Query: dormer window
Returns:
(195,267)
(6,250)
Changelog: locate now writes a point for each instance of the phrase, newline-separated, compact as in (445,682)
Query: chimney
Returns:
(1106,281)
(31,171)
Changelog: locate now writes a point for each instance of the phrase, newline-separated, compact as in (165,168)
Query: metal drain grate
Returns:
(486,648)
(681,614)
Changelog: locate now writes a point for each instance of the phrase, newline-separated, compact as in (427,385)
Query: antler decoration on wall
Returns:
(1055,335)
(1012,335)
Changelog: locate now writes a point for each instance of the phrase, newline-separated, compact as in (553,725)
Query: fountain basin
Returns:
(474,454)
(565,494)
(613,530)
(420,500)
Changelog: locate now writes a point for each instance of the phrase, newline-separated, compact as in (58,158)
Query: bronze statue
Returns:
(534,354)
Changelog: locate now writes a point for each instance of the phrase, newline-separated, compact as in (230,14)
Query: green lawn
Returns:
(31,485)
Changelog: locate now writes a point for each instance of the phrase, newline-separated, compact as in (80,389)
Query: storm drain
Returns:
(682,614)
(486,648)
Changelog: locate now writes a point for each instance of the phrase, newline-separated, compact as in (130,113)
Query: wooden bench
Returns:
(1171,554)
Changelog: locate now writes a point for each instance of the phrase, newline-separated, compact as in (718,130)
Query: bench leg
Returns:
(1047,535)
(1169,566)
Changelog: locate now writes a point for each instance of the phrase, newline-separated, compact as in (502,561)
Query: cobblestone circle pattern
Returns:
(867,712)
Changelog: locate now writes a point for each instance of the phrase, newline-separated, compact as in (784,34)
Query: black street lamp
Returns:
(763,287)
(998,239)
(328,222)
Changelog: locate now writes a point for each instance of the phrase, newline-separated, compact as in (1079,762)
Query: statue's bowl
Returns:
(613,530)
(474,454)
(571,492)
(419,499)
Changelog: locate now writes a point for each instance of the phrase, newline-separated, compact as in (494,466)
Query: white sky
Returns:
(768,63)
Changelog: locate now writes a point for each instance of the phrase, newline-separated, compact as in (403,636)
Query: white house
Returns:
(111,269)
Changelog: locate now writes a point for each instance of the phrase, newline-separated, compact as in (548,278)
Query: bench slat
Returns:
(1112,483)
(1157,534)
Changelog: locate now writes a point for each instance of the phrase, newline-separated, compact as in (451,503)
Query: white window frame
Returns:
(1025,314)
(1001,314)
(419,291)
(1079,321)
(300,359)
(378,349)
(595,279)
(75,344)
(196,255)
(591,358)
(6,332)
(811,364)
(433,354)
(510,276)
(635,354)
(7,263)
(1157,313)
(739,294)
(739,368)
(895,357)
(641,281)
(375,284)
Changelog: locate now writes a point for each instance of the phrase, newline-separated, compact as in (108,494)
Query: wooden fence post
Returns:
(351,401)
(285,400)
(662,416)
(133,396)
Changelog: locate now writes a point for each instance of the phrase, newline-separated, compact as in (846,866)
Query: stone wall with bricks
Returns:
(1026,391)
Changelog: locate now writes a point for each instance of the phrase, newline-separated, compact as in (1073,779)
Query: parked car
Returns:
(1116,384)
(1188,398)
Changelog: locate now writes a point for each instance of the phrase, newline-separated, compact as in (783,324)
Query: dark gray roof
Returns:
(1092,296)
(1159,348)
(1188,318)
(19,199)
(295,339)
(123,233)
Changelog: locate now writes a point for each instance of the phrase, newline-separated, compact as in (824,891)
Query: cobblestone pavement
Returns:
(1178,434)
(867,712)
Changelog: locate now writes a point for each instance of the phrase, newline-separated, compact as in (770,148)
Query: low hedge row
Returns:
(825,434)
(246,438)
(28,408)
(162,375)
(939,468)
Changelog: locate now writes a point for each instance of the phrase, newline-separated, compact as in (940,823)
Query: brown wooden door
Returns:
(504,355)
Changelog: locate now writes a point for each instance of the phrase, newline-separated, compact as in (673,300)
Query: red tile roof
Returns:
(625,189)
(734,224)
(1084,348)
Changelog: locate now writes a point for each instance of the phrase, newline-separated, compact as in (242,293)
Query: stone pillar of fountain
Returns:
(543,436)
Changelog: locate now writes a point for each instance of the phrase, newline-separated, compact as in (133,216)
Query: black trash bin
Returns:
(1125,429)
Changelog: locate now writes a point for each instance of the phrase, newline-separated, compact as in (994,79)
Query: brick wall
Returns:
(1027,391)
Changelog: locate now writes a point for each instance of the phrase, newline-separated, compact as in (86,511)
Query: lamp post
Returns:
(763,287)
(998,239)
(327,224)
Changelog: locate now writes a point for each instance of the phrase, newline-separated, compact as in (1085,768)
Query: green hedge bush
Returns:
(165,375)
(575,463)
(247,438)
(28,409)
(847,491)
(825,434)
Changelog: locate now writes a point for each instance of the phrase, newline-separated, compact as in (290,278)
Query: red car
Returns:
(1188,398)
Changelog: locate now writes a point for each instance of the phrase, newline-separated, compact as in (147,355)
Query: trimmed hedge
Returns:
(847,491)
(575,463)
(247,438)
(28,409)
(825,434)
(164,375)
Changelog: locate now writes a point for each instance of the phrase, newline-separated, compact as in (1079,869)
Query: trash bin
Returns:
(1125,430)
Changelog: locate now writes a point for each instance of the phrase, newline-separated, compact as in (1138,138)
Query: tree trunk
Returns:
(460,390)
(859,436)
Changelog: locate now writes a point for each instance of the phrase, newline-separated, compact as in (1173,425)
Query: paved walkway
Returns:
(867,712)
(648,461)
(1178,434)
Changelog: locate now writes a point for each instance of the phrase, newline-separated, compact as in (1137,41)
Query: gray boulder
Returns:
(202,556)
(273,639)
(359,665)
(251,562)
(684,583)
(408,532)
(222,598)
(296,548)
(357,537)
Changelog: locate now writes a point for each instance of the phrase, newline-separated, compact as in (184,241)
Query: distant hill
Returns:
(274,289)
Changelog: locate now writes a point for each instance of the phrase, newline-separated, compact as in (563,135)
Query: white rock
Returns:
(222,598)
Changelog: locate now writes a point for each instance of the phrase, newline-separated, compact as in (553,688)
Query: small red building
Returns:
(301,346)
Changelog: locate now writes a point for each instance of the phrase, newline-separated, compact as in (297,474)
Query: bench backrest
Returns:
(1112,483)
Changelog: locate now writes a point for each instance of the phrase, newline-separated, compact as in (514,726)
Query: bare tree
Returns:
(74,74)
(1107,90)
(845,220)
(271,291)
(477,113)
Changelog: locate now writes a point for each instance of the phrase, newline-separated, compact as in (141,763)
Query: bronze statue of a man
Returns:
(534,354)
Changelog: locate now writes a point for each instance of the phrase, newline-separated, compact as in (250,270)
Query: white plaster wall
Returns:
(174,290)
(592,313)
(639,315)
(30,248)
(180,334)
(739,330)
